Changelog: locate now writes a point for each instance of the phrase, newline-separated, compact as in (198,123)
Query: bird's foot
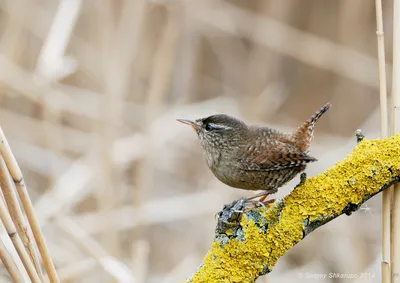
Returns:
(303,178)
(254,203)
(259,203)
(359,135)
(237,207)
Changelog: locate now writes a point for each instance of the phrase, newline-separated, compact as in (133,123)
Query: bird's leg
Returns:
(261,199)
(268,201)
(262,194)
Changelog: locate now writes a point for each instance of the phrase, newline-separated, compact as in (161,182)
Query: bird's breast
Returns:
(212,159)
(223,168)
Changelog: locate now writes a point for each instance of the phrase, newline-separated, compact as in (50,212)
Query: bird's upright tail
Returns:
(303,136)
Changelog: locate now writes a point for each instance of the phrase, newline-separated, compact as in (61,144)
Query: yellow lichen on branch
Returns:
(251,246)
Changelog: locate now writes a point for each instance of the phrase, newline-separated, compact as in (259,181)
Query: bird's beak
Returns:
(190,123)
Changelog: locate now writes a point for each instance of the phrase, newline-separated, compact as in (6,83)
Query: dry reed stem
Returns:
(140,248)
(17,216)
(158,89)
(25,153)
(183,81)
(179,272)
(37,29)
(16,222)
(9,264)
(63,98)
(116,269)
(108,124)
(141,259)
(274,94)
(118,67)
(289,41)
(155,211)
(160,81)
(395,128)
(17,176)
(83,45)
(16,240)
(74,140)
(386,195)
(13,32)
(75,183)
(53,138)
(76,270)
(19,79)
(52,64)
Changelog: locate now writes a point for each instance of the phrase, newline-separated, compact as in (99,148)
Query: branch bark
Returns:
(249,242)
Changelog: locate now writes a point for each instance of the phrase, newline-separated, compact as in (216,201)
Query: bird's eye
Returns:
(208,127)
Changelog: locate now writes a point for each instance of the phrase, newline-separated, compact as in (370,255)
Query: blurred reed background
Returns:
(89,94)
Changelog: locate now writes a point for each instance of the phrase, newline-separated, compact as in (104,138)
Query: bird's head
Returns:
(218,132)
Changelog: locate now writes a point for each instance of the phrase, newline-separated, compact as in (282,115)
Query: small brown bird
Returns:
(254,157)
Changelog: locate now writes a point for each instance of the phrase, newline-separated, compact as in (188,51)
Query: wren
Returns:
(254,157)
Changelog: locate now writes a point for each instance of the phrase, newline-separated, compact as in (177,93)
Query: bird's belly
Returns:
(255,180)
(237,178)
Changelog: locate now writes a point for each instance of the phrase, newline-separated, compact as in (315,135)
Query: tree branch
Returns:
(249,242)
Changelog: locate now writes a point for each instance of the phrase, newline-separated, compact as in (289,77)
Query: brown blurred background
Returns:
(89,94)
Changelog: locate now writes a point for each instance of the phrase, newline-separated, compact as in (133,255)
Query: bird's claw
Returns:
(257,203)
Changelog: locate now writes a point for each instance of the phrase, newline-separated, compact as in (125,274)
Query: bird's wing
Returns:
(272,155)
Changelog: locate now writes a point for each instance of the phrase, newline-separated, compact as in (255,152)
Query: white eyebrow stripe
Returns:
(220,126)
